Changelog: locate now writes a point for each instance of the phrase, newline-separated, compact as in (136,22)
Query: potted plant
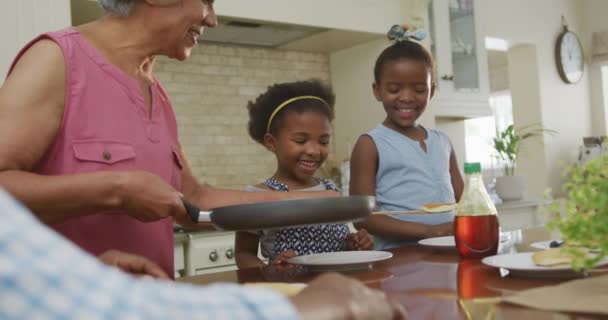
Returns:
(584,223)
(507,145)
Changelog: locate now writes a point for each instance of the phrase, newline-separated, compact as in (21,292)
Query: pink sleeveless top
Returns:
(105,127)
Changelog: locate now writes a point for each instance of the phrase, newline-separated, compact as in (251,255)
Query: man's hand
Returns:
(133,264)
(333,296)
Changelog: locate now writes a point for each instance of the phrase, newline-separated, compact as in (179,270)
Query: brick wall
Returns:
(210,92)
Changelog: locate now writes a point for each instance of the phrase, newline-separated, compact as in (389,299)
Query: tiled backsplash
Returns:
(210,92)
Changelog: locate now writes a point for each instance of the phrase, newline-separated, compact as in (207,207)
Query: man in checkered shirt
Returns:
(43,276)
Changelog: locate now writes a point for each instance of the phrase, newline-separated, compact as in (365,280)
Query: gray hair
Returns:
(120,8)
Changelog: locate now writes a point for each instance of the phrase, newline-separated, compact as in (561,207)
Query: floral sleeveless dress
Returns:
(309,239)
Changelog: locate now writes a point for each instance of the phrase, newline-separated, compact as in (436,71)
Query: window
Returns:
(479,132)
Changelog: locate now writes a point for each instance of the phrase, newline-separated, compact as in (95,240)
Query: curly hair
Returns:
(404,50)
(263,106)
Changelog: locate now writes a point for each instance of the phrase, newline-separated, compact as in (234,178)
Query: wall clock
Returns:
(569,56)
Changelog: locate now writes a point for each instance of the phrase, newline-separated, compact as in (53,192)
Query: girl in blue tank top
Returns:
(400,162)
(293,121)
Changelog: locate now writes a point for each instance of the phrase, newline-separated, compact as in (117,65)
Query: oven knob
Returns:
(213,256)
(230,253)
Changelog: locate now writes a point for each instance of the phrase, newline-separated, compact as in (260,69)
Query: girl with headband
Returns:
(293,121)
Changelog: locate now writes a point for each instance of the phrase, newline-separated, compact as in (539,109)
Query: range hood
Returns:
(257,33)
(266,34)
(284,36)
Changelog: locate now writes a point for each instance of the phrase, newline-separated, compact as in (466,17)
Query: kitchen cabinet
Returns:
(208,252)
(515,215)
(23,20)
(457,44)
(202,252)
(179,243)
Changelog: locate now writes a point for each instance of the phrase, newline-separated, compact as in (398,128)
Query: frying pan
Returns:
(285,213)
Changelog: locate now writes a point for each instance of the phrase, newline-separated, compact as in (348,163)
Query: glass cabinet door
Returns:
(463,45)
(454,44)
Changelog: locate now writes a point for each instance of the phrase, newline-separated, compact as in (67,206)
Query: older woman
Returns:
(88,141)
(88,137)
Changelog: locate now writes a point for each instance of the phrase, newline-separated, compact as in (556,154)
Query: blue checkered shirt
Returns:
(43,276)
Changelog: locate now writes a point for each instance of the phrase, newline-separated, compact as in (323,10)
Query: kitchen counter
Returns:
(527,213)
(430,283)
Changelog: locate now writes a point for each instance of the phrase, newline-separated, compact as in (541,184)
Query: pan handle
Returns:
(192,210)
(195,213)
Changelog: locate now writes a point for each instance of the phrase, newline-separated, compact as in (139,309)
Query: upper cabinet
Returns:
(457,43)
(24,20)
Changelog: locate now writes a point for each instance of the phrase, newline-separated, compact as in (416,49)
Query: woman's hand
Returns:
(333,296)
(360,240)
(133,264)
(280,261)
(147,197)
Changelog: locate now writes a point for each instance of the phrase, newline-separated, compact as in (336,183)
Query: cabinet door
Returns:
(458,48)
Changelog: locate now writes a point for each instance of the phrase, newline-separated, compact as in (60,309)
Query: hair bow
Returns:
(399,33)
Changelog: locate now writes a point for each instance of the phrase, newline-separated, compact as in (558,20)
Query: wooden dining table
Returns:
(430,282)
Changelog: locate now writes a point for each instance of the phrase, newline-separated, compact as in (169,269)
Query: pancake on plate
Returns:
(551,258)
(438,207)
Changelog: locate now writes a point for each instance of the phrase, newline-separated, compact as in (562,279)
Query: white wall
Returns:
(22,20)
(595,20)
(565,108)
(455,129)
(357,111)
(498,65)
(358,15)
(524,77)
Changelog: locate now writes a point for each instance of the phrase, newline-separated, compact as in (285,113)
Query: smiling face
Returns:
(301,146)
(182,23)
(404,89)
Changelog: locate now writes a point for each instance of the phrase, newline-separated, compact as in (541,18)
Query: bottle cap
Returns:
(472,167)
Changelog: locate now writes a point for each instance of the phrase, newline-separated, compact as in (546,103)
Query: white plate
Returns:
(448,242)
(343,260)
(441,242)
(543,245)
(521,264)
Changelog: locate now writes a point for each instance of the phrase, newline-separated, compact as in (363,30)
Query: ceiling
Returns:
(236,31)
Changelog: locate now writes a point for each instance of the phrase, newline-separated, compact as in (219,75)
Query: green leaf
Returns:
(586,210)
(508,142)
